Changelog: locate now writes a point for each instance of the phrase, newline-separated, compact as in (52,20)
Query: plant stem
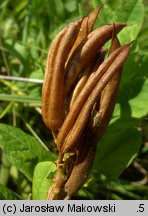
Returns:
(4,170)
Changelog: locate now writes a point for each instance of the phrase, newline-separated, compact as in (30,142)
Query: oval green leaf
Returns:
(42,179)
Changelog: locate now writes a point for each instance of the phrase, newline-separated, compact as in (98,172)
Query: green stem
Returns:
(121,190)
(6,110)
(33,132)
(4,170)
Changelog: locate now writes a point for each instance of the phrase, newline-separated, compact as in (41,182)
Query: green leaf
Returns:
(135,66)
(130,89)
(3,3)
(41,180)
(71,6)
(6,194)
(35,90)
(139,104)
(20,99)
(8,27)
(114,4)
(134,85)
(133,89)
(117,148)
(19,51)
(23,150)
(60,8)
(130,12)
(116,113)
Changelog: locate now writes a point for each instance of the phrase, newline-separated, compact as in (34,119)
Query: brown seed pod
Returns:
(87,51)
(70,142)
(49,75)
(83,96)
(78,96)
(109,94)
(92,17)
(80,171)
(53,101)
(86,152)
(86,74)
(86,27)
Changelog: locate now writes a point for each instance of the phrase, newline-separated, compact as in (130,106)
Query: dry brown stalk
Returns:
(79,95)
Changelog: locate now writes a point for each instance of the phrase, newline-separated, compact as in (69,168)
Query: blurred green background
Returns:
(26,31)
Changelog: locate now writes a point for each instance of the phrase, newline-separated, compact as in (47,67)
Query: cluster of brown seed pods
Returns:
(78,96)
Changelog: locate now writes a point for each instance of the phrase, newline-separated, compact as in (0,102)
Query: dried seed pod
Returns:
(92,17)
(53,101)
(80,171)
(86,74)
(74,78)
(49,75)
(85,158)
(109,94)
(86,27)
(87,51)
(70,142)
(83,96)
